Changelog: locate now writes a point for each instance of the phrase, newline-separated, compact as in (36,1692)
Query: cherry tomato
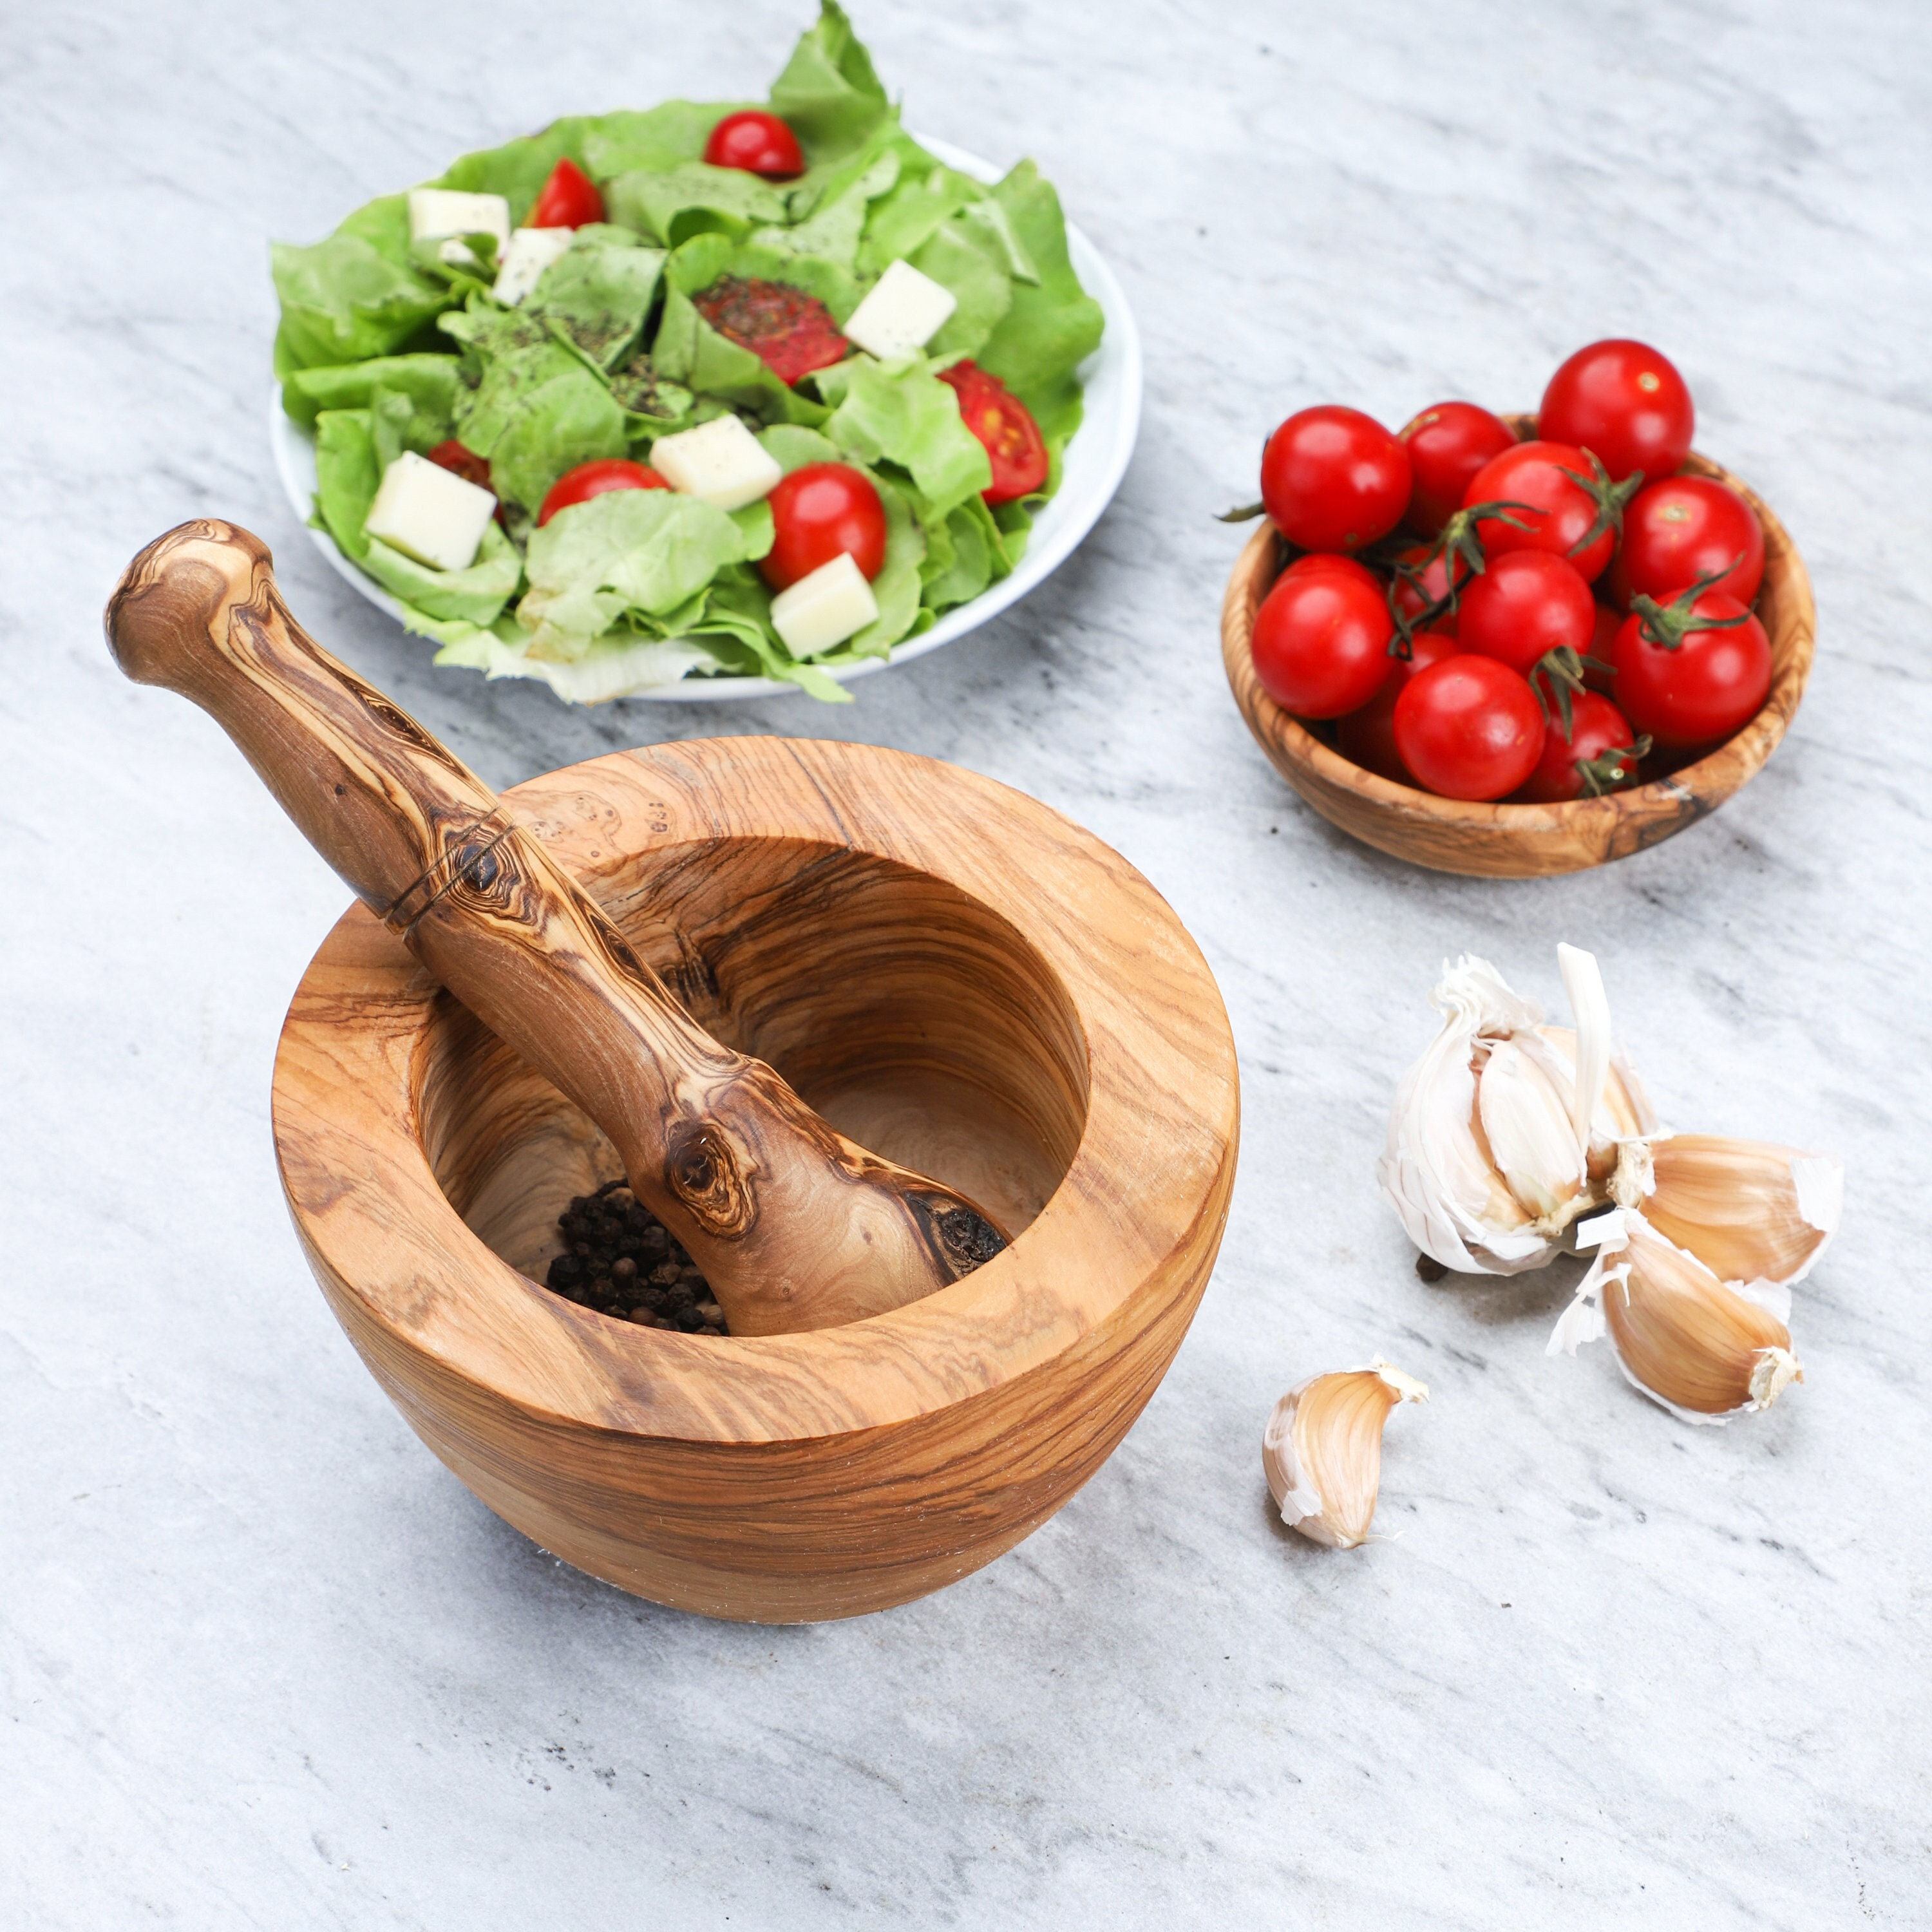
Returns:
(1320,643)
(791,332)
(1691,671)
(1575,763)
(1448,443)
(595,479)
(1569,511)
(1005,429)
(1469,728)
(568,200)
(1525,604)
(759,142)
(1608,623)
(1683,528)
(1627,402)
(1366,737)
(1415,594)
(1317,561)
(818,511)
(1334,479)
(459,461)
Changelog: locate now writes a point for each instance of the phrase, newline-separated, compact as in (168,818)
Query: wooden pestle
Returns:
(794,1226)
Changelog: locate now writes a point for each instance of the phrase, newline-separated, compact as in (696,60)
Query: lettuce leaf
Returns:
(901,413)
(476,595)
(347,298)
(629,553)
(955,256)
(599,292)
(616,665)
(662,137)
(518,170)
(429,381)
(692,198)
(347,477)
(829,94)
(1053,325)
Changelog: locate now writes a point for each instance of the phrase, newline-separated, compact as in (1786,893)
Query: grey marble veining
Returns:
(263,1662)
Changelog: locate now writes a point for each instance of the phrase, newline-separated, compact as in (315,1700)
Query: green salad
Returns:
(710,389)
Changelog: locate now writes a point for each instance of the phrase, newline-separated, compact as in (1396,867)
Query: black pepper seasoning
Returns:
(620,1260)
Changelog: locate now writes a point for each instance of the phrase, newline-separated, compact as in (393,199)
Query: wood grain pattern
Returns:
(1525,840)
(951,970)
(795,1225)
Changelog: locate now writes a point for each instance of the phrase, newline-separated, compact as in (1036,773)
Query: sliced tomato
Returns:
(759,142)
(791,332)
(568,200)
(1005,429)
(596,479)
(459,461)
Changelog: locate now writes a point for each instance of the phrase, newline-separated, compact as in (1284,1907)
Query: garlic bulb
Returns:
(1495,1146)
(1322,1450)
(1704,1349)
(1747,1210)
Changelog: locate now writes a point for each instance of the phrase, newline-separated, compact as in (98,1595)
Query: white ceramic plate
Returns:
(1095,461)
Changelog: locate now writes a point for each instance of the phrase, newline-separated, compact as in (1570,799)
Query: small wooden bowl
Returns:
(1520,841)
(953,975)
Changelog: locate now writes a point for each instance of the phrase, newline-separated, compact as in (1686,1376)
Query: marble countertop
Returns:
(264,1663)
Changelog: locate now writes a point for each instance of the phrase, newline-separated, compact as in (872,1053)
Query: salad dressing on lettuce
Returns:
(704,290)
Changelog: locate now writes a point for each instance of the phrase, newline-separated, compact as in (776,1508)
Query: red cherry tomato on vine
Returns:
(1448,443)
(1573,764)
(759,142)
(1366,737)
(1713,679)
(596,479)
(1563,511)
(1469,728)
(568,200)
(1627,402)
(1320,643)
(1334,479)
(1527,603)
(1317,561)
(1005,429)
(1608,623)
(1683,528)
(818,511)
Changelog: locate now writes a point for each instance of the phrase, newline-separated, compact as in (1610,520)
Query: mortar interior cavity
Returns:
(914,1017)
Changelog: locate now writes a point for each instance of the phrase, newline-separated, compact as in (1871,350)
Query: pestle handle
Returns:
(794,1226)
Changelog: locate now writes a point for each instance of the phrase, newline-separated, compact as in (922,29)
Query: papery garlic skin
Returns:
(1749,1211)
(1321,1450)
(1705,1349)
(1483,1162)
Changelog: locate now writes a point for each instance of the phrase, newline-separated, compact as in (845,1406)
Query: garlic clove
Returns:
(1702,1349)
(1748,1210)
(1523,1099)
(1438,1168)
(1583,982)
(1321,1450)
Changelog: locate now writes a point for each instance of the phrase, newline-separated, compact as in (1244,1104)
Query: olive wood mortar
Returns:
(793,1225)
(948,973)
(1519,841)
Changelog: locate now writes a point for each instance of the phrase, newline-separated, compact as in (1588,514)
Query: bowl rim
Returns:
(1684,795)
(404,1272)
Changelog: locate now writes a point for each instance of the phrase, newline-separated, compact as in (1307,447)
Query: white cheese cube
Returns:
(430,514)
(902,312)
(834,603)
(719,462)
(531,251)
(435,211)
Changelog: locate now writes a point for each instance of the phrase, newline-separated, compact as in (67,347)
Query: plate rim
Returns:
(1121,346)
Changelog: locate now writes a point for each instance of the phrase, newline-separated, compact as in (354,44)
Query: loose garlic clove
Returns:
(1523,1099)
(1322,1450)
(1749,1211)
(1704,1349)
